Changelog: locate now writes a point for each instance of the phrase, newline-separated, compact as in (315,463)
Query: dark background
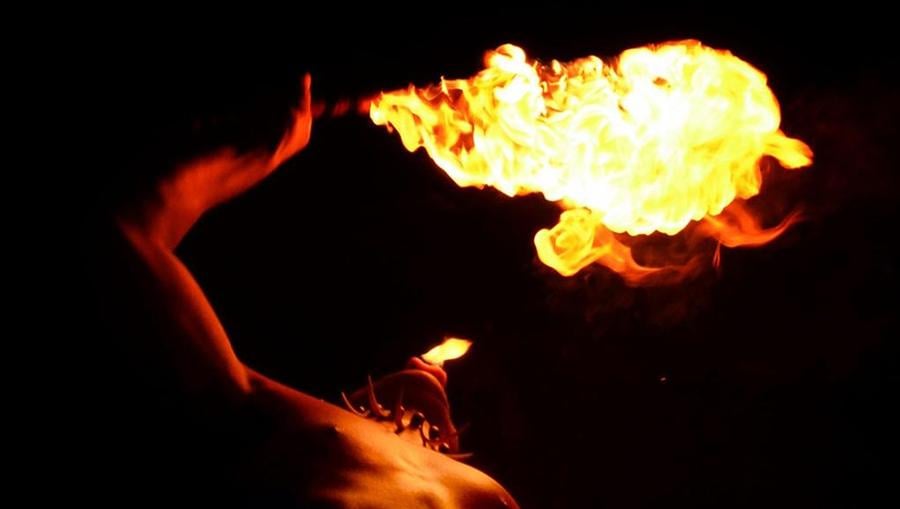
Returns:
(771,383)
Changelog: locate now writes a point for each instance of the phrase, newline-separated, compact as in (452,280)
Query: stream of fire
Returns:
(657,139)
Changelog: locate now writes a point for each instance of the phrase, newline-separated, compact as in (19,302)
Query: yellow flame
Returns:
(451,348)
(659,137)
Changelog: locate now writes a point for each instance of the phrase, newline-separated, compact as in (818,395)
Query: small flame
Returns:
(649,142)
(451,348)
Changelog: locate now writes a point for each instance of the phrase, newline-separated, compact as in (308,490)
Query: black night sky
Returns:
(768,384)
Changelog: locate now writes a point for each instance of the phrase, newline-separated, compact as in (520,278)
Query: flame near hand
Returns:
(451,348)
(649,142)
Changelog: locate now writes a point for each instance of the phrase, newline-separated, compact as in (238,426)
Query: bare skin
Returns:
(318,454)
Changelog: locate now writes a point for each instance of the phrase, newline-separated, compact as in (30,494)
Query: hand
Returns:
(225,174)
(204,182)
(297,136)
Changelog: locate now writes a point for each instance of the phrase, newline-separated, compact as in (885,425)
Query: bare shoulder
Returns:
(322,455)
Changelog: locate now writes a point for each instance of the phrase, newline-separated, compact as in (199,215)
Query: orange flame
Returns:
(649,142)
(451,348)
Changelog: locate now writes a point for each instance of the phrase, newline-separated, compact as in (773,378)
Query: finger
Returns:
(436,371)
(306,104)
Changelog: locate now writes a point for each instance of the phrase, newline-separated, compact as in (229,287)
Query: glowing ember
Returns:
(649,142)
(451,348)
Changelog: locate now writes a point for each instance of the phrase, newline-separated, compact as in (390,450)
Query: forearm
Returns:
(173,206)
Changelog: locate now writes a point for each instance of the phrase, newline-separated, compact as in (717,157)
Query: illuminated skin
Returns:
(317,453)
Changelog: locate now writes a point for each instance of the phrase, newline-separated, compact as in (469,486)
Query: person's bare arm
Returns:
(319,454)
(163,304)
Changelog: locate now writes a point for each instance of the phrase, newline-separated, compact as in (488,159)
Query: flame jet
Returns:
(651,141)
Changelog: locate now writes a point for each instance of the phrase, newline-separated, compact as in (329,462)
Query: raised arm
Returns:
(155,299)
(298,448)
